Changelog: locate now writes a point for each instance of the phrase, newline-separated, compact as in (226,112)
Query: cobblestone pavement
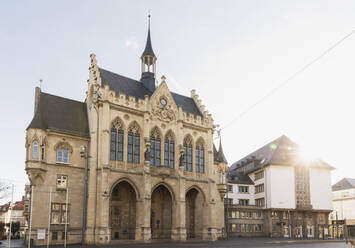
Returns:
(251,242)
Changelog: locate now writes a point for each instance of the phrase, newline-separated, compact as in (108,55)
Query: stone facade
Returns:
(134,191)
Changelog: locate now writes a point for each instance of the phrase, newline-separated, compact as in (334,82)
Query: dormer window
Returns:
(35,150)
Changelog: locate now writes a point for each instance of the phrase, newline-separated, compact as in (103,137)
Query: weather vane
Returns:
(40,83)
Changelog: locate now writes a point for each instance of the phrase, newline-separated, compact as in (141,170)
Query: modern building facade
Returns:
(343,208)
(274,192)
(133,161)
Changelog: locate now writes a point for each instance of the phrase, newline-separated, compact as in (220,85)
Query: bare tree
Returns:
(4,190)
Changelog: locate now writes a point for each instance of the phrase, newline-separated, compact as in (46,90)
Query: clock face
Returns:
(163,101)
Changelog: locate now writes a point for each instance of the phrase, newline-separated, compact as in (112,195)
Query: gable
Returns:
(131,87)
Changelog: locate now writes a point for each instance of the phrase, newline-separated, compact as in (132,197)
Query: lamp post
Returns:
(84,154)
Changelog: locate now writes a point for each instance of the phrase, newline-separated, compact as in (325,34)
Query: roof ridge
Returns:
(65,98)
(119,75)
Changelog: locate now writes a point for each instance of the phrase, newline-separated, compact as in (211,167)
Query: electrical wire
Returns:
(288,80)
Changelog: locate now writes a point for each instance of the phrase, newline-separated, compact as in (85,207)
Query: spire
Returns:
(148,47)
(220,155)
(148,63)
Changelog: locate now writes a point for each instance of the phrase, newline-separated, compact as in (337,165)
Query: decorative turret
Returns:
(148,63)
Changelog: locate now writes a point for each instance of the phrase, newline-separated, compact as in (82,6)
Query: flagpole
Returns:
(49,215)
(29,235)
(10,210)
(66,219)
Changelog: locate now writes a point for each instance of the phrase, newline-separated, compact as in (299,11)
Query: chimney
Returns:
(37,94)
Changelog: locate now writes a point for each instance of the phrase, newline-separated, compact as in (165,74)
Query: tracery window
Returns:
(188,153)
(169,150)
(200,157)
(59,213)
(63,154)
(35,150)
(116,144)
(133,144)
(155,148)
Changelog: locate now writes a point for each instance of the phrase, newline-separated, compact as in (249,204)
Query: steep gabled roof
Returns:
(282,151)
(131,87)
(61,115)
(345,183)
(236,177)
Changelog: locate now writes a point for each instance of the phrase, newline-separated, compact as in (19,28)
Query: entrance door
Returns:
(123,212)
(161,213)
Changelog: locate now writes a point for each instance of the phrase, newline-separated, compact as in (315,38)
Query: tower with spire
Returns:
(148,59)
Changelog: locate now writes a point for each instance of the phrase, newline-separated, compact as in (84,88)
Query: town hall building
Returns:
(133,161)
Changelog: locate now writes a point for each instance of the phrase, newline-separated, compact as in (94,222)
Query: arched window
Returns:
(62,154)
(35,150)
(220,177)
(155,148)
(188,154)
(200,157)
(116,144)
(169,150)
(133,145)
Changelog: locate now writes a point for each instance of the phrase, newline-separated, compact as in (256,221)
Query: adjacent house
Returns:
(275,192)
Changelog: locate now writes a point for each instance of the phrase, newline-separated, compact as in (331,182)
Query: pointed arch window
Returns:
(200,157)
(169,151)
(35,150)
(188,154)
(155,148)
(133,145)
(116,142)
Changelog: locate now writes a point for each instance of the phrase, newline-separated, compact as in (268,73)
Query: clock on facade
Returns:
(163,101)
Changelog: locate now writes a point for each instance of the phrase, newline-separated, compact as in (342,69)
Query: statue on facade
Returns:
(181,159)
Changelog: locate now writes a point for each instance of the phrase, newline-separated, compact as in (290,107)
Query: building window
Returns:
(230,188)
(259,188)
(259,175)
(188,154)
(200,157)
(42,151)
(63,236)
(62,154)
(234,214)
(228,201)
(58,214)
(259,215)
(155,148)
(62,182)
(116,144)
(169,151)
(258,227)
(133,145)
(274,215)
(260,202)
(243,189)
(54,235)
(244,202)
(35,150)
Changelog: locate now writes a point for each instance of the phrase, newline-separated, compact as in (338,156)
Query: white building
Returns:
(344,203)
(291,195)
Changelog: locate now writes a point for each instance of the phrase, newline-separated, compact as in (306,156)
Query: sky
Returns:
(232,52)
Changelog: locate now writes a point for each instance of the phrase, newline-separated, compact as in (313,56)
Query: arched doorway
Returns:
(161,213)
(194,214)
(123,211)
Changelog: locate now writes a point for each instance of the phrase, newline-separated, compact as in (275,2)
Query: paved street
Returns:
(252,242)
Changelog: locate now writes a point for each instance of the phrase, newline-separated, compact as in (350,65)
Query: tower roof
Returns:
(148,46)
(220,154)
